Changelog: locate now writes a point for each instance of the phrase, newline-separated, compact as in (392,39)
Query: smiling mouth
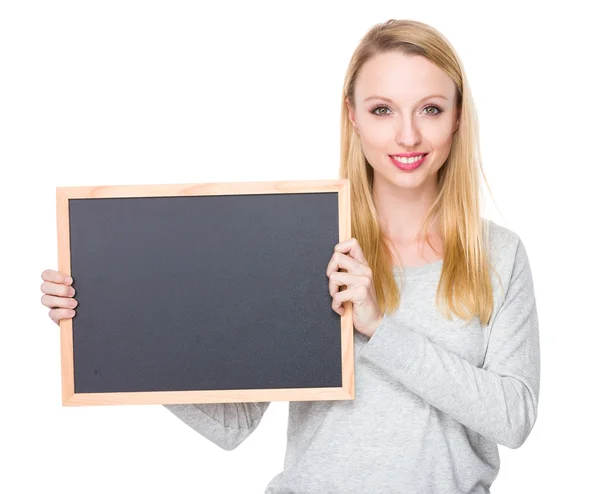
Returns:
(408,164)
(408,158)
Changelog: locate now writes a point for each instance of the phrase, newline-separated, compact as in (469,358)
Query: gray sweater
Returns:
(433,398)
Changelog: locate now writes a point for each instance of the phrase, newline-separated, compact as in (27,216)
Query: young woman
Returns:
(447,359)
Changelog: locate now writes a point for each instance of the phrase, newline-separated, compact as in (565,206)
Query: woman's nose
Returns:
(407,135)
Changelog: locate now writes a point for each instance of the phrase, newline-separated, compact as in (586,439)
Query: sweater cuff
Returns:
(392,347)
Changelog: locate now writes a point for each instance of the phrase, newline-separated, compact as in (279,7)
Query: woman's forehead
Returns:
(402,78)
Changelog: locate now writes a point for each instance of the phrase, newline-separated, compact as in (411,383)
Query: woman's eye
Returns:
(374,111)
(435,107)
(381,107)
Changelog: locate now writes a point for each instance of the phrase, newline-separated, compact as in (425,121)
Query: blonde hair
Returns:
(464,286)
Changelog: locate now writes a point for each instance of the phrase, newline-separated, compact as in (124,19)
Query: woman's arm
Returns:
(498,400)
(225,424)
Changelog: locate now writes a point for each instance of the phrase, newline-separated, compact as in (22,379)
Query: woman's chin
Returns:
(412,180)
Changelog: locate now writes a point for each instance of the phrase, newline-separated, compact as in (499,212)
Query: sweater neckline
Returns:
(413,271)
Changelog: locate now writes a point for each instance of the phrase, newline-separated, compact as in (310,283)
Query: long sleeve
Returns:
(225,424)
(498,400)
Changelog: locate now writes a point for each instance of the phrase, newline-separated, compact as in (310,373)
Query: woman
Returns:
(453,370)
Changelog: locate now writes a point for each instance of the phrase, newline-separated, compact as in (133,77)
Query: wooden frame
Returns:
(70,398)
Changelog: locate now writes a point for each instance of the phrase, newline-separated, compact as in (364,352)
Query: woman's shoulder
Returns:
(507,255)
(503,243)
(501,235)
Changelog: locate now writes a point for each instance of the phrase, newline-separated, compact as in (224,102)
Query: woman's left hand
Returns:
(358,279)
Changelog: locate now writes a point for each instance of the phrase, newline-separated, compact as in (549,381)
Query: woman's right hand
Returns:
(58,295)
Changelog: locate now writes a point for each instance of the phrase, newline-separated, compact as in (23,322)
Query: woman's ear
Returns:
(457,115)
(352,116)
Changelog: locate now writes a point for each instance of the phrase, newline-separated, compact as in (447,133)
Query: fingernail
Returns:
(68,279)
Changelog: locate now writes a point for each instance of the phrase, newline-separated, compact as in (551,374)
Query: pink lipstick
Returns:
(408,166)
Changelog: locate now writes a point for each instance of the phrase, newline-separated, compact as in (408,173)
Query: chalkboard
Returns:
(204,293)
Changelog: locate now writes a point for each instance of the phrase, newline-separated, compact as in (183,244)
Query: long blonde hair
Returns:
(464,287)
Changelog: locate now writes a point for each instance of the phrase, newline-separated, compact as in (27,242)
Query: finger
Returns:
(54,302)
(338,279)
(339,298)
(353,249)
(342,261)
(57,314)
(60,290)
(339,310)
(56,276)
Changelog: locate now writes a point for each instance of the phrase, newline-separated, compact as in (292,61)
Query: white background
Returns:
(124,92)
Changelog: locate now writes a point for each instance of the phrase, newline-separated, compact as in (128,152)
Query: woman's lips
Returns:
(408,166)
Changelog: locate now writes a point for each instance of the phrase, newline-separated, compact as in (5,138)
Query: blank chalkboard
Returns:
(204,293)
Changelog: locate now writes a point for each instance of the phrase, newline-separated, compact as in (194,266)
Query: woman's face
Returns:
(404,104)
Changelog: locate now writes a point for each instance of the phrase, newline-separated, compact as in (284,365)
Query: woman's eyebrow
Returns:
(422,99)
